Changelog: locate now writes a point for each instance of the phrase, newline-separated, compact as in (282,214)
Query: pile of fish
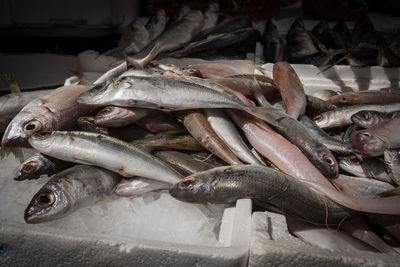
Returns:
(322,46)
(210,133)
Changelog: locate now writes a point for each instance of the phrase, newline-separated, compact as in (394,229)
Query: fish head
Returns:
(322,120)
(110,114)
(30,169)
(192,189)
(365,118)
(350,163)
(43,141)
(25,125)
(49,203)
(327,163)
(365,142)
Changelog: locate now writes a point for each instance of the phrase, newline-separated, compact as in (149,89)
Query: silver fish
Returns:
(392,161)
(103,151)
(68,191)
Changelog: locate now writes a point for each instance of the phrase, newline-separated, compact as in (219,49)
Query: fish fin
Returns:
(390,192)
(16,151)
(12,83)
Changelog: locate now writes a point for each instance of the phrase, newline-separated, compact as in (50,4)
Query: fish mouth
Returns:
(15,142)
(31,216)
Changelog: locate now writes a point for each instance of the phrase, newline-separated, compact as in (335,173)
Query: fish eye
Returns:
(329,160)
(29,167)
(98,87)
(366,134)
(105,110)
(354,160)
(343,100)
(187,182)
(365,115)
(42,135)
(318,118)
(32,126)
(45,198)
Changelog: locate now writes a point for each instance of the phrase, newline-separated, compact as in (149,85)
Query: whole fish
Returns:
(364,97)
(321,236)
(182,162)
(172,38)
(88,124)
(291,89)
(138,185)
(226,130)
(38,165)
(324,138)
(342,116)
(103,151)
(369,118)
(392,162)
(198,126)
(117,116)
(242,20)
(376,139)
(274,45)
(168,140)
(68,191)
(156,24)
(268,188)
(367,167)
(244,39)
(164,93)
(55,111)
(11,104)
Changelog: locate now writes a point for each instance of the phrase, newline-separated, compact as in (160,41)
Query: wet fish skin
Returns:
(179,13)
(291,89)
(325,94)
(113,116)
(364,97)
(156,24)
(159,122)
(88,124)
(369,118)
(392,162)
(267,187)
(55,111)
(342,116)
(317,106)
(11,104)
(39,164)
(103,151)
(198,126)
(376,139)
(137,186)
(330,142)
(68,191)
(367,167)
(349,131)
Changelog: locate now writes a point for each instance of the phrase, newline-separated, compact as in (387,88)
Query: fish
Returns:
(364,97)
(68,191)
(322,237)
(55,111)
(366,167)
(11,104)
(373,141)
(211,15)
(342,116)
(182,162)
(103,151)
(177,16)
(128,133)
(138,185)
(346,138)
(213,70)
(156,24)
(302,47)
(226,130)
(324,138)
(169,140)
(369,118)
(317,106)
(328,37)
(274,46)
(392,162)
(268,188)
(291,89)
(172,38)
(159,122)
(112,116)
(88,124)
(241,21)
(325,94)
(198,126)
(170,94)
(38,165)
(243,39)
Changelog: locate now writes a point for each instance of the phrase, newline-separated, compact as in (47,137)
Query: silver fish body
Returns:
(103,151)
(392,161)
(68,191)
